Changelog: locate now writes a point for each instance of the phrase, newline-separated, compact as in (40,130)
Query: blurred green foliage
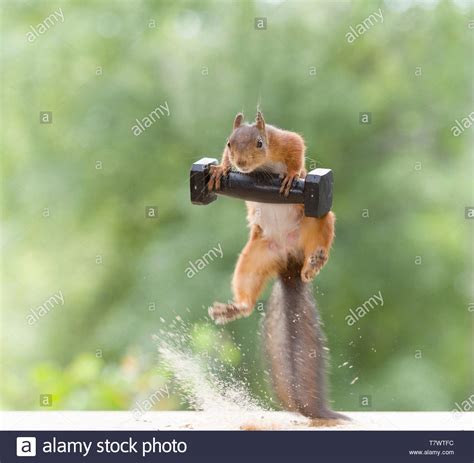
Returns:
(74,192)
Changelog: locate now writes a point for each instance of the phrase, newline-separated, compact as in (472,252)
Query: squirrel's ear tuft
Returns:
(260,121)
(238,120)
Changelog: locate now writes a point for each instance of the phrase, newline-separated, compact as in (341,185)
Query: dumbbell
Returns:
(315,191)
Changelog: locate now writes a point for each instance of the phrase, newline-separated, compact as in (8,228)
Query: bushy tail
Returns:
(294,345)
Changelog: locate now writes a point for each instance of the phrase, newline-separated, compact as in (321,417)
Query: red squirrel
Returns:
(283,243)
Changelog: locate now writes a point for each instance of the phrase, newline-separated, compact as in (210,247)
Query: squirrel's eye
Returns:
(259,143)
(228,144)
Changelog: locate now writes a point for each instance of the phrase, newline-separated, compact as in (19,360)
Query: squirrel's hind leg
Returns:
(317,235)
(256,264)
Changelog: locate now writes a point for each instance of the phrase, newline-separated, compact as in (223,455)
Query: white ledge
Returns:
(192,420)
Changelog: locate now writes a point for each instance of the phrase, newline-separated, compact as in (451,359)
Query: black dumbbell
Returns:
(315,191)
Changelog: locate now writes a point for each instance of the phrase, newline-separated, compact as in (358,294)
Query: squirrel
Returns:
(286,244)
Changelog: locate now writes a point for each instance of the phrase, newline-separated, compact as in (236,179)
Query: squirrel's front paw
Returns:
(224,313)
(216,174)
(314,263)
(287,183)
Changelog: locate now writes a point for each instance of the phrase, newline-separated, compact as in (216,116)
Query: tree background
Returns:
(74,192)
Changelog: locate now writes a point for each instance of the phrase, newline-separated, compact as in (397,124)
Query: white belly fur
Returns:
(279,223)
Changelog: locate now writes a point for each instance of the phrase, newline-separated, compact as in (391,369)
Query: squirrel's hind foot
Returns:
(224,313)
(314,264)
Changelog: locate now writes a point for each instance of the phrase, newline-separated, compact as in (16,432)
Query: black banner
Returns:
(234,446)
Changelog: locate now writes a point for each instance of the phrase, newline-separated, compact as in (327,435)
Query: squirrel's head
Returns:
(247,145)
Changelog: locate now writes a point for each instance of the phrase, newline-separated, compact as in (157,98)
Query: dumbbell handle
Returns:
(315,191)
(260,187)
